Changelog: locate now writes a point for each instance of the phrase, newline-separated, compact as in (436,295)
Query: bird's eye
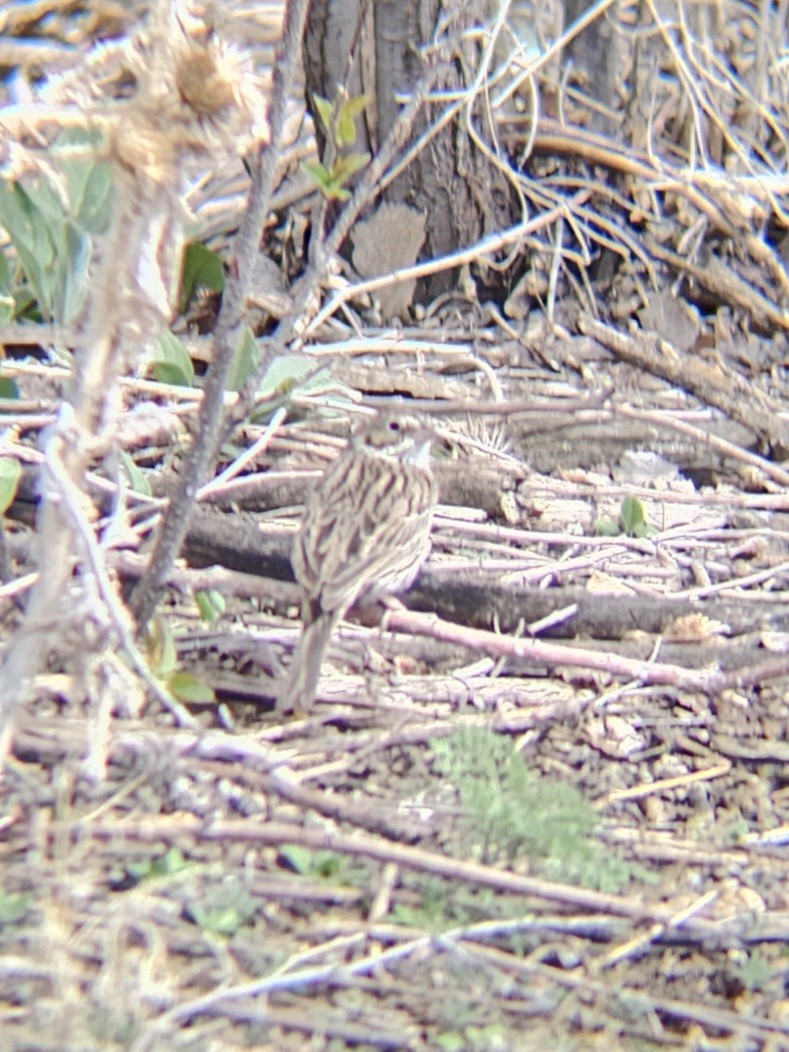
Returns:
(394,425)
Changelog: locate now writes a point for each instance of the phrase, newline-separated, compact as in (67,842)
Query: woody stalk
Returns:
(195,101)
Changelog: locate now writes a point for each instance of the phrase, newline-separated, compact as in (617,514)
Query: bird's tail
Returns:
(299,691)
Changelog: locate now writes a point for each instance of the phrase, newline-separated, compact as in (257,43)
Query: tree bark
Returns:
(380,48)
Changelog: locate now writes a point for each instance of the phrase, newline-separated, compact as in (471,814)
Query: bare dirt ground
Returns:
(545,804)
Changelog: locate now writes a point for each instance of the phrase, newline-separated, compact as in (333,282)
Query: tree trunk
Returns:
(375,48)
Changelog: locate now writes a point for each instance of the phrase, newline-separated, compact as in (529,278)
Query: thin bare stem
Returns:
(263,172)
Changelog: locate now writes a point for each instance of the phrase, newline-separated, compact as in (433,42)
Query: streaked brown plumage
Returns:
(364,534)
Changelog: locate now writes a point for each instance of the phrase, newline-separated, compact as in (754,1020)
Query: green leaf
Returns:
(168,864)
(186,687)
(160,648)
(26,306)
(138,481)
(211,605)
(344,168)
(245,361)
(53,253)
(224,911)
(28,231)
(346,119)
(753,970)
(50,224)
(13,906)
(284,373)
(202,269)
(632,517)
(297,857)
(508,812)
(10,474)
(171,364)
(303,860)
(319,173)
(93,209)
(7,301)
(605,528)
(451,1041)
(225,921)
(89,181)
(69,275)
(325,112)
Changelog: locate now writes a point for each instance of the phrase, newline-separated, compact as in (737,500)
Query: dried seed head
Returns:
(207,78)
(144,150)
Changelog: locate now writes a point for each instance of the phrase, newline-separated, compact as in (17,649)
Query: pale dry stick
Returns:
(134,384)
(263,170)
(598,190)
(381,904)
(59,550)
(47,335)
(761,185)
(552,620)
(591,14)
(639,792)
(71,499)
(388,344)
(584,222)
(553,273)
(129,305)
(756,245)
(617,237)
(26,455)
(738,584)
(720,445)
(561,569)
(374,178)
(641,942)
(533,108)
(754,501)
(486,245)
(282,979)
(231,582)
(737,89)
(238,488)
(17,587)
(17,120)
(509,463)
(238,465)
(399,164)
(696,97)
(530,539)
(487,370)
(250,831)
(555,137)
(753,1031)
(707,381)
(695,534)
(553,655)
(38,53)
(727,284)
(469,97)
(21,416)
(493,32)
